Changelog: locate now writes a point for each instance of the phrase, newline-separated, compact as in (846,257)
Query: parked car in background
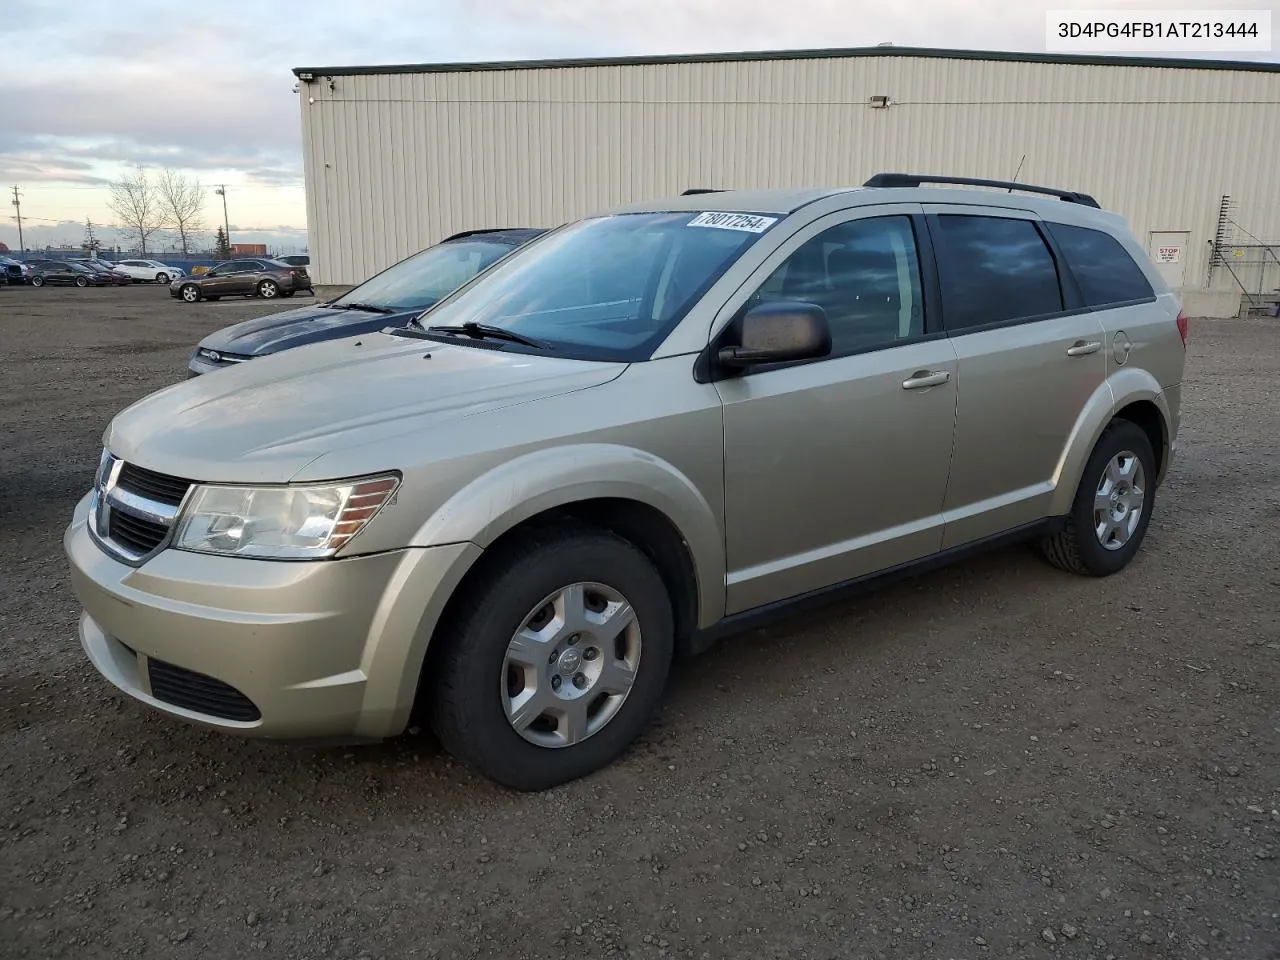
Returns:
(247,277)
(296,260)
(65,272)
(103,267)
(389,299)
(14,272)
(152,271)
(659,425)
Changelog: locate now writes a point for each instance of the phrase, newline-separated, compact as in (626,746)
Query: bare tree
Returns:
(182,203)
(136,201)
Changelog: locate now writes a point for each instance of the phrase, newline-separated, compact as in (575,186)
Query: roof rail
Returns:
(693,190)
(914,180)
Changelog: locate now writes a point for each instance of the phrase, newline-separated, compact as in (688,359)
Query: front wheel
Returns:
(1112,506)
(268,289)
(162,278)
(190,293)
(82,282)
(37,281)
(555,660)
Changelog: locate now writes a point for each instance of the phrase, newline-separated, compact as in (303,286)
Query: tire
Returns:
(190,293)
(37,281)
(162,278)
(469,702)
(82,282)
(268,289)
(1079,546)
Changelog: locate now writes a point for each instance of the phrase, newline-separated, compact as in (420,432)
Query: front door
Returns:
(837,468)
(1027,368)
(1168,250)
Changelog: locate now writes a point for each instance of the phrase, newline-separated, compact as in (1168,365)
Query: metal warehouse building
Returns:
(398,157)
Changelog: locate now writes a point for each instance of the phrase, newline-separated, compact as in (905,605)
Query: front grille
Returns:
(134,533)
(195,691)
(152,485)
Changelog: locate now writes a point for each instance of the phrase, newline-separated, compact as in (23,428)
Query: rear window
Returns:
(1103,268)
(994,269)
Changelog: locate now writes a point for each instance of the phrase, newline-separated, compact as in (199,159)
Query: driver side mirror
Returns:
(778,332)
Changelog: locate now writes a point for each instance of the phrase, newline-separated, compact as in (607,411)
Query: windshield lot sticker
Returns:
(734,221)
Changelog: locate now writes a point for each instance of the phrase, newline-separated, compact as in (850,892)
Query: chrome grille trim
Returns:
(108,499)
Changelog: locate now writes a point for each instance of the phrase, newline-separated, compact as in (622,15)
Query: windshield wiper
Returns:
(484,331)
(367,307)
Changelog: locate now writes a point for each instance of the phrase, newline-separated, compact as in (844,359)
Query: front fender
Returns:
(522,488)
(1122,388)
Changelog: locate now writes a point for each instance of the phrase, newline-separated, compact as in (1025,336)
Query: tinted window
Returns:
(994,269)
(865,275)
(1101,265)
(426,277)
(607,288)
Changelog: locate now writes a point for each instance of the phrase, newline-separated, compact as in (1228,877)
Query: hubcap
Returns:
(188,294)
(1118,504)
(571,664)
(268,290)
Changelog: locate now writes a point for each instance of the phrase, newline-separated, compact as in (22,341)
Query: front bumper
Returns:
(318,650)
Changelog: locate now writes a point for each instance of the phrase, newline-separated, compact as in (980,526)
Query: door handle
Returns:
(923,378)
(1083,348)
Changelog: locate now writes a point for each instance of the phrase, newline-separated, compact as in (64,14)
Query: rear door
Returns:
(1030,357)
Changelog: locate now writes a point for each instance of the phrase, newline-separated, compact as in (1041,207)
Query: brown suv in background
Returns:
(257,277)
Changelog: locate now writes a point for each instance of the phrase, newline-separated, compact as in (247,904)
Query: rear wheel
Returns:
(268,289)
(37,281)
(190,293)
(555,661)
(162,278)
(1112,507)
(82,281)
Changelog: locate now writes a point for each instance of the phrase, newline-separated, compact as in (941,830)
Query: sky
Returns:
(86,94)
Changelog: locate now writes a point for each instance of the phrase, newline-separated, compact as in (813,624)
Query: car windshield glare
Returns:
(607,288)
(426,277)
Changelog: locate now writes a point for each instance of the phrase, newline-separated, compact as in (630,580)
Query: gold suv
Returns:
(644,430)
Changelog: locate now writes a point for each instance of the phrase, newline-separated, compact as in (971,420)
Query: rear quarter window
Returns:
(1103,268)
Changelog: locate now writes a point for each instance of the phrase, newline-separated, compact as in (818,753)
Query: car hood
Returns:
(293,328)
(263,422)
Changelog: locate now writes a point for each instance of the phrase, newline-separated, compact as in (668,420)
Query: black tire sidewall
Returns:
(1120,436)
(81,282)
(37,281)
(480,734)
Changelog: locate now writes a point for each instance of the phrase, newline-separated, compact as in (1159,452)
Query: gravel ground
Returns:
(993,760)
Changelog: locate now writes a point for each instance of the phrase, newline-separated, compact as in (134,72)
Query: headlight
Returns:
(282,523)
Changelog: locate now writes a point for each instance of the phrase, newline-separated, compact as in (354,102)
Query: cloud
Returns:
(209,90)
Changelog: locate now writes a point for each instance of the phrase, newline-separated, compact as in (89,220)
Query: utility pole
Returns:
(17,206)
(222,192)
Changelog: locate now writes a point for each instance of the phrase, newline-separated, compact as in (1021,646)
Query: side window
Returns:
(994,269)
(1101,265)
(865,274)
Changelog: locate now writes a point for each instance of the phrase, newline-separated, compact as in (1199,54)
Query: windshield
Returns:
(608,288)
(426,277)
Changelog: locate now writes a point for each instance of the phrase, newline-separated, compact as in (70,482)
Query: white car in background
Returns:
(149,270)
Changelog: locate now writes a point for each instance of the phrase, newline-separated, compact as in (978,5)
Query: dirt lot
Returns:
(995,760)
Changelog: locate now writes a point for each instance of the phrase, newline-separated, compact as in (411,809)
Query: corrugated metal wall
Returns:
(396,162)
